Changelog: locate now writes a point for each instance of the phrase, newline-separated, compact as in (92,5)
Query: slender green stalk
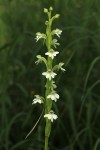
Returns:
(50,93)
(48,103)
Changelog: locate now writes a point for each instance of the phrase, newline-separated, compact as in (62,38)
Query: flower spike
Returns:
(50,94)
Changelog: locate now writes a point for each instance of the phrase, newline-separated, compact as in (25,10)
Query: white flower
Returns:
(41,59)
(53,96)
(52,53)
(55,43)
(60,67)
(57,32)
(40,36)
(51,116)
(49,74)
(37,99)
(53,84)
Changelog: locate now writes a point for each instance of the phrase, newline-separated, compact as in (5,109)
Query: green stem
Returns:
(47,133)
(46,143)
(48,103)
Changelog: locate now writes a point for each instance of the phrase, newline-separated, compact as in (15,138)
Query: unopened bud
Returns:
(57,16)
(50,8)
(45,10)
(46,22)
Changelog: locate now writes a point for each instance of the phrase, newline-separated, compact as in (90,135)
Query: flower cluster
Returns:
(51,43)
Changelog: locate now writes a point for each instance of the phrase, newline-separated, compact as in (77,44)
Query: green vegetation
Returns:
(78,126)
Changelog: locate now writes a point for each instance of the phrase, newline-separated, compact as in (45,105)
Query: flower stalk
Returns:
(48,102)
(50,73)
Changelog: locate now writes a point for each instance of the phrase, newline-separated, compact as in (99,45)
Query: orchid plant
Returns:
(51,94)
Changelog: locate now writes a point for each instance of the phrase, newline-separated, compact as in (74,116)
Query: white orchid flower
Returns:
(51,116)
(55,43)
(53,96)
(52,53)
(40,36)
(49,74)
(57,32)
(37,99)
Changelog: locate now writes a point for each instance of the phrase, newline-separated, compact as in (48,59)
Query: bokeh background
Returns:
(78,126)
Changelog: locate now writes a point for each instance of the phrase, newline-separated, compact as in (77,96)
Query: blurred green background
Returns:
(78,126)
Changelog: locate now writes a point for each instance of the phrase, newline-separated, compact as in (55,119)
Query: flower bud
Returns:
(46,22)
(45,10)
(50,8)
(57,16)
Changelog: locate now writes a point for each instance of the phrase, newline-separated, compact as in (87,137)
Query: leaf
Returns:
(34,125)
